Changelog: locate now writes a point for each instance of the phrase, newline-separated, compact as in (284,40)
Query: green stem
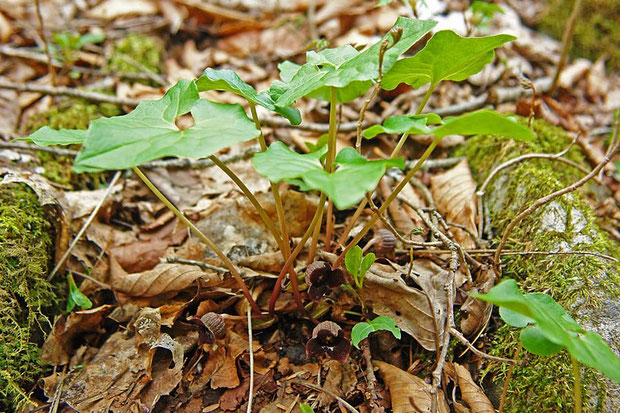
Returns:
(202,236)
(502,401)
(403,138)
(577,384)
(278,286)
(246,191)
(387,202)
(331,135)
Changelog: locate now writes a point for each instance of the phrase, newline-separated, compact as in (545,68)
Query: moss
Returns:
(69,114)
(146,50)
(544,384)
(596,32)
(27,300)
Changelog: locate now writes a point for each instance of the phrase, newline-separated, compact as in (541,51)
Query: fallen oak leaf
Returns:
(471,393)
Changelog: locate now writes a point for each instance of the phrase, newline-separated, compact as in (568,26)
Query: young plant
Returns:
(76,297)
(357,264)
(548,328)
(362,330)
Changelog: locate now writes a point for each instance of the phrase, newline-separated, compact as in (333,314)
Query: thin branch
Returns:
(334,395)
(183,163)
(25,146)
(251,352)
(201,264)
(50,67)
(567,37)
(459,336)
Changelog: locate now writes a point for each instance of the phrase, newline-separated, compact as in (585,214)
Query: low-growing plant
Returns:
(547,329)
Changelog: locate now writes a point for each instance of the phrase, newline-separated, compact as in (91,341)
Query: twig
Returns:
(90,219)
(459,336)
(183,163)
(201,264)
(512,252)
(502,400)
(50,67)
(91,279)
(613,147)
(370,375)
(67,91)
(566,42)
(251,351)
(334,395)
(28,147)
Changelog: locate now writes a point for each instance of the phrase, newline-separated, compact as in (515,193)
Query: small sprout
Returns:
(211,327)
(322,278)
(328,339)
(358,264)
(362,330)
(385,242)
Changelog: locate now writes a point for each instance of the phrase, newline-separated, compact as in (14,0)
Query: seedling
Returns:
(337,75)
(357,264)
(482,12)
(548,328)
(362,330)
(76,297)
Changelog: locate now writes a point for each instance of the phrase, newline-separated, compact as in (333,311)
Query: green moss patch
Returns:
(147,51)
(27,300)
(544,384)
(597,32)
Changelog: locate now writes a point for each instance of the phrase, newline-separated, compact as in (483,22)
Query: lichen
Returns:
(27,299)
(544,384)
(147,51)
(69,114)
(596,31)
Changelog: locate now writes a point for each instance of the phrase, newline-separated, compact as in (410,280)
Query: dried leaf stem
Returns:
(202,236)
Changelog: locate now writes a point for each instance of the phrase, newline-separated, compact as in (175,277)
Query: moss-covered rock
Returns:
(597,32)
(27,299)
(145,50)
(586,285)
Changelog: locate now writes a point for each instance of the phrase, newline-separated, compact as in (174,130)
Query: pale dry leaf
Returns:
(340,380)
(409,307)
(454,192)
(408,393)
(471,393)
(111,9)
(164,278)
(476,313)
(6,28)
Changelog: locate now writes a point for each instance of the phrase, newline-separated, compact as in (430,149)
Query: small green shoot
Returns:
(66,43)
(357,264)
(305,408)
(76,297)
(362,330)
(549,328)
(483,12)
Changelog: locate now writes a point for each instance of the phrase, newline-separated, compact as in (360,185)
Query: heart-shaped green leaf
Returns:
(229,81)
(346,186)
(534,341)
(483,121)
(344,68)
(362,330)
(149,132)
(556,325)
(447,56)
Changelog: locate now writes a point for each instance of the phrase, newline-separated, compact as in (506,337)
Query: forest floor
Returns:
(137,343)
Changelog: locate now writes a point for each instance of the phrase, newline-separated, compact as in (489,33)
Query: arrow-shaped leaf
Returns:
(228,80)
(447,56)
(346,186)
(480,122)
(555,325)
(362,330)
(344,68)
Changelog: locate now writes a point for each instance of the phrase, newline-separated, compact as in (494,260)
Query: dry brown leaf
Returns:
(409,393)
(476,313)
(59,344)
(111,9)
(6,28)
(408,306)
(454,193)
(164,278)
(471,393)
(340,380)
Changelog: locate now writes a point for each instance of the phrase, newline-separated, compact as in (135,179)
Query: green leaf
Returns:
(556,325)
(514,319)
(47,136)
(149,132)
(483,121)
(229,81)
(305,408)
(362,330)
(485,8)
(344,68)
(76,297)
(353,260)
(534,341)
(447,56)
(368,260)
(346,186)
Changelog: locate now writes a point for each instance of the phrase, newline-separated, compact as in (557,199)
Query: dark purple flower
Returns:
(321,279)
(328,339)
(210,327)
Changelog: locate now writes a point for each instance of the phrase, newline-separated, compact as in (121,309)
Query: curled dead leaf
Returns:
(471,393)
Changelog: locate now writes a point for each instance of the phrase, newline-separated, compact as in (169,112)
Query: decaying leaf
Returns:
(340,380)
(454,194)
(409,393)
(389,295)
(164,278)
(471,393)
(476,313)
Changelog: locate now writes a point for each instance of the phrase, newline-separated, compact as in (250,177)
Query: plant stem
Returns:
(502,401)
(202,236)
(403,138)
(278,286)
(329,226)
(387,202)
(577,384)
(50,66)
(313,244)
(566,42)
(246,191)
